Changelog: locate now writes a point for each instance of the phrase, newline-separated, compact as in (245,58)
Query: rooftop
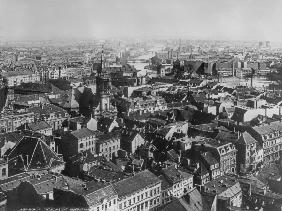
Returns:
(224,186)
(132,184)
(83,133)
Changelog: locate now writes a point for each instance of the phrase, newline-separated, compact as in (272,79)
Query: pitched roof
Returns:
(132,184)
(83,133)
(224,186)
(97,197)
(246,139)
(268,128)
(33,153)
(209,158)
(174,175)
(44,183)
(103,138)
(12,136)
(35,126)
(174,205)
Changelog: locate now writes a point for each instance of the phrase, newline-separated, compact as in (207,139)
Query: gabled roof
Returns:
(42,125)
(104,138)
(97,197)
(14,137)
(246,139)
(33,153)
(175,205)
(209,158)
(83,133)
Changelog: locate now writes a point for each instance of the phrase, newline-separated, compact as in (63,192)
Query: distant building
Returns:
(248,156)
(108,144)
(78,141)
(32,153)
(16,78)
(175,183)
(131,140)
(268,137)
(227,190)
(139,192)
(40,127)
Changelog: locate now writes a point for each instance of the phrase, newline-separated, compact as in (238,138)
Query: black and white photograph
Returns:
(140,105)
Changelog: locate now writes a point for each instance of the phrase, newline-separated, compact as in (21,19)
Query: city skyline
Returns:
(190,19)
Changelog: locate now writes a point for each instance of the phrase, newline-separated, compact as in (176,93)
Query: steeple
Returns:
(101,66)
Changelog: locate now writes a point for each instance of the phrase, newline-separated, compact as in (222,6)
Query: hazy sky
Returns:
(202,19)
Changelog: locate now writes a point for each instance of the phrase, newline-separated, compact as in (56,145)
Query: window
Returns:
(81,145)
(3,172)
(114,201)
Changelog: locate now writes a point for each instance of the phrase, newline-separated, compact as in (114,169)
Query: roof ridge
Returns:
(33,153)
(43,152)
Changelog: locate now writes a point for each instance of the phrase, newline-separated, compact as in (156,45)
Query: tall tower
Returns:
(103,83)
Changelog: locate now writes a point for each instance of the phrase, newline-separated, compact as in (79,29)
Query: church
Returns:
(103,106)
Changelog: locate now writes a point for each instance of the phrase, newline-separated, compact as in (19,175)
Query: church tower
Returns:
(103,83)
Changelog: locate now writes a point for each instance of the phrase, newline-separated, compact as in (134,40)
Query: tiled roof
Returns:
(112,136)
(246,139)
(47,110)
(107,175)
(165,182)
(14,137)
(44,183)
(132,184)
(83,133)
(97,197)
(13,181)
(209,158)
(226,136)
(35,126)
(16,73)
(238,114)
(223,186)
(33,153)
(174,175)
(175,205)
(268,128)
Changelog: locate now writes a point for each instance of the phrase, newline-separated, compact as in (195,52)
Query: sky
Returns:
(189,19)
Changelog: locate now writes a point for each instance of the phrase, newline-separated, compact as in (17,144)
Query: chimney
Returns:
(187,198)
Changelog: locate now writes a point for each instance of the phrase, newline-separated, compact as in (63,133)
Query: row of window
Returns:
(271,143)
(89,143)
(141,197)
(110,149)
(106,205)
(153,202)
